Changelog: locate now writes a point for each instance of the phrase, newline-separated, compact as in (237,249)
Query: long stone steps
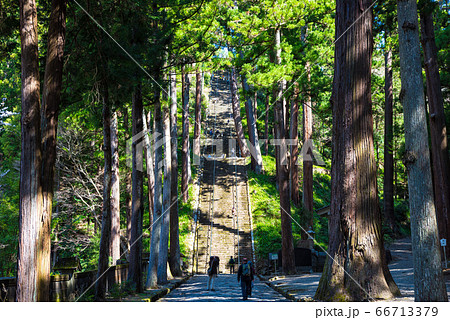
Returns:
(220,233)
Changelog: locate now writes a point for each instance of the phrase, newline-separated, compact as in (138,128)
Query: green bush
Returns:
(120,290)
(266,210)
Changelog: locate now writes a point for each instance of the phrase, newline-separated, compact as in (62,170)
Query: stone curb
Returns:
(155,296)
(285,293)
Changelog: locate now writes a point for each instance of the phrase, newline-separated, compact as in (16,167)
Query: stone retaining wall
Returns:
(68,287)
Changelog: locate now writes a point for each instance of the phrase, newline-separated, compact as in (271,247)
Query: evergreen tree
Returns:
(428,279)
(355,221)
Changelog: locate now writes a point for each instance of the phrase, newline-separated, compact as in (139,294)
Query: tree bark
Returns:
(185,163)
(308,198)
(256,157)
(115,192)
(388,183)
(157,203)
(429,283)
(150,166)
(51,99)
(137,210)
(255,107)
(31,203)
(127,180)
(237,116)
(295,195)
(356,269)
(248,106)
(103,258)
(266,123)
(438,128)
(287,241)
(198,113)
(174,259)
(165,224)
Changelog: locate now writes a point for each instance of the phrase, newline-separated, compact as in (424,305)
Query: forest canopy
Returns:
(80,79)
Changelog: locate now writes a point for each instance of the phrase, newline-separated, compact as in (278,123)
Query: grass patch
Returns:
(266,210)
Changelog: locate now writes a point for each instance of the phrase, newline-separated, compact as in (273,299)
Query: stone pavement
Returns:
(152,295)
(277,288)
(227,289)
(402,270)
(303,287)
(296,287)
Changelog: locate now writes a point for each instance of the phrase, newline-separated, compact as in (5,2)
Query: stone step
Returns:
(220,188)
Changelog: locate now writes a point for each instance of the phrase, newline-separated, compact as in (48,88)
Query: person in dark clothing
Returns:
(231,262)
(213,271)
(252,268)
(245,276)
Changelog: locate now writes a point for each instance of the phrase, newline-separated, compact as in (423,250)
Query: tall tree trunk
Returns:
(308,198)
(287,241)
(51,99)
(285,111)
(255,106)
(248,106)
(185,163)
(274,134)
(115,192)
(388,183)
(150,166)
(438,128)
(198,113)
(103,258)
(157,203)
(237,116)
(295,195)
(266,123)
(356,269)
(31,205)
(429,283)
(127,180)
(137,210)
(165,223)
(174,259)
(255,152)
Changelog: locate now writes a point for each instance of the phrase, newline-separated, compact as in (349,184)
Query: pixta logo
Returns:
(143,141)
(149,142)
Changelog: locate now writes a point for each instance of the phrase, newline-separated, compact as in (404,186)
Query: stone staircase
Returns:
(223,186)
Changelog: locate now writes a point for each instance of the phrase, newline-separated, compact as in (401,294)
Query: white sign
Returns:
(273,256)
(443,242)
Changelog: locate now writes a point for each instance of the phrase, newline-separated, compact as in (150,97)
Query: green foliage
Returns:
(184,221)
(266,210)
(9,155)
(88,296)
(402,218)
(402,223)
(267,238)
(118,291)
(171,34)
(9,229)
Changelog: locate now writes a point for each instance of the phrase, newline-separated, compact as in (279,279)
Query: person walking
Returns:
(245,276)
(231,262)
(252,269)
(213,270)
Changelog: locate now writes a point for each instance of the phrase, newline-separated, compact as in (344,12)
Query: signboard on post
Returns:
(273,256)
(443,245)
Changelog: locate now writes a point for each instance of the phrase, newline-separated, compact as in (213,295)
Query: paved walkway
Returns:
(402,270)
(303,287)
(227,290)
